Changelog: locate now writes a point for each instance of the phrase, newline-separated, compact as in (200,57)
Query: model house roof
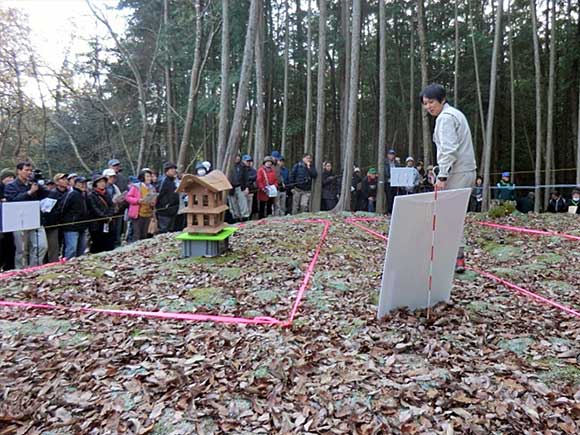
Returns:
(215,181)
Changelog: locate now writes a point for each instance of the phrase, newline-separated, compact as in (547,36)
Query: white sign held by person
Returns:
(407,266)
(19,216)
(402,177)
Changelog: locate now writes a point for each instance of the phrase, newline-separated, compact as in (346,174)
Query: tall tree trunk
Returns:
(578,141)
(512,100)
(243,88)
(72,142)
(383,107)
(426,128)
(456,74)
(285,96)
(320,106)
(477,81)
(168,90)
(346,20)
(550,115)
(412,96)
(193,90)
(308,121)
(224,85)
(260,149)
(21,150)
(538,70)
(491,107)
(344,202)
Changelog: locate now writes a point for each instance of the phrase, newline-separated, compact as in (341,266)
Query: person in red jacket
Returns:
(267,187)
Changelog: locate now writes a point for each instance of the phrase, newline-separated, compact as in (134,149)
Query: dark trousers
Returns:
(7,251)
(166,224)
(265,208)
(140,227)
(101,242)
(328,204)
(391,192)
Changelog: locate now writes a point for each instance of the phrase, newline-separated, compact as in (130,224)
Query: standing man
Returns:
(7,249)
(301,178)
(31,245)
(390,192)
(52,218)
(122,181)
(455,155)
(168,199)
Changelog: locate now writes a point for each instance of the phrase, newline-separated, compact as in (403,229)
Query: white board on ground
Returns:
(406,271)
(19,216)
(402,177)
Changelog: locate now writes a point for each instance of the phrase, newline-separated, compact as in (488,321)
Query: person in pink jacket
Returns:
(141,199)
(267,183)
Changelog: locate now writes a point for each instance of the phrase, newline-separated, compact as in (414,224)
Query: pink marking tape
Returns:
(529,231)
(193,316)
(353,221)
(29,269)
(502,281)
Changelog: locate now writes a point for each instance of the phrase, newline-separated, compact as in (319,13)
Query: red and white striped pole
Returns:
(430,288)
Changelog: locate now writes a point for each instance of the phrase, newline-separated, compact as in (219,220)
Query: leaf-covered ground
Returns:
(489,362)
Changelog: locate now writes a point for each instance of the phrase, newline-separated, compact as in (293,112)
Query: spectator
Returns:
(71,178)
(526,204)
(506,190)
(391,192)
(421,169)
(267,187)
(50,185)
(369,189)
(330,188)
(7,248)
(122,181)
(101,207)
(207,166)
(476,197)
(141,199)
(410,162)
(301,178)
(201,169)
(168,199)
(575,201)
(238,196)
(252,175)
(430,179)
(31,245)
(119,203)
(557,204)
(74,214)
(53,218)
(283,175)
(355,191)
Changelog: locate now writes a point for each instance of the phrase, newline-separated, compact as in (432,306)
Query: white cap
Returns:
(206,165)
(409,159)
(109,173)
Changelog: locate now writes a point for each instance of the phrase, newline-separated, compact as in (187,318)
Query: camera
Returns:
(37,176)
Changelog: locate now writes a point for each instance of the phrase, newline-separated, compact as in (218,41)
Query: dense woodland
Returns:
(206,79)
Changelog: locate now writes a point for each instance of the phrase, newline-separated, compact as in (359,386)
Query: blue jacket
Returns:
(301,177)
(16,190)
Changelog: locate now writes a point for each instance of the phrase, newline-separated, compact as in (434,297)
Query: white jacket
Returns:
(453,139)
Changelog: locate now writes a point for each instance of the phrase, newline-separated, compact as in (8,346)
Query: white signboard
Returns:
(402,177)
(406,271)
(19,216)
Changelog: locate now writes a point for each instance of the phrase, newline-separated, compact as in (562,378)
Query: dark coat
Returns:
(54,218)
(330,187)
(301,176)
(16,190)
(557,206)
(74,209)
(100,206)
(168,199)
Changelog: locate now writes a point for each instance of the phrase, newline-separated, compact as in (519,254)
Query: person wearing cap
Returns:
(390,192)
(267,187)
(168,199)
(122,181)
(356,201)
(416,180)
(476,197)
(71,178)
(238,195)
(301,178)
(7,248)
(200,169)
(369,190)
(52,219)
(75,215)
(574,204)
(207,165)
(141,199)
(330,187)
(506,189)
(557,203)
(455,153)
(101,210)
(283,175)
(31,245)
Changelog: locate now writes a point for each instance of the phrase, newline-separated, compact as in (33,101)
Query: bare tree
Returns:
(538,69)
(412,96)
(224,85)
(320,106)
(456,73)
(550,121)
(168,84)
(344,202)
(260,108)
(491,107)
(285,96)
(512,98)
(383,108)
(243,88)
(426,129)
(477,79)
(308,120)
(578,142)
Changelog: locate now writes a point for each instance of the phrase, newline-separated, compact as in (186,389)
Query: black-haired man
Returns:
(168,199)
(455,154)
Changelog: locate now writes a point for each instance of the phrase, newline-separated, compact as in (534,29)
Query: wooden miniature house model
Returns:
(206,205)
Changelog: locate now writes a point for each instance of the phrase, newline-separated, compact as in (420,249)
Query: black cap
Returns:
(80,180)
(169,165)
